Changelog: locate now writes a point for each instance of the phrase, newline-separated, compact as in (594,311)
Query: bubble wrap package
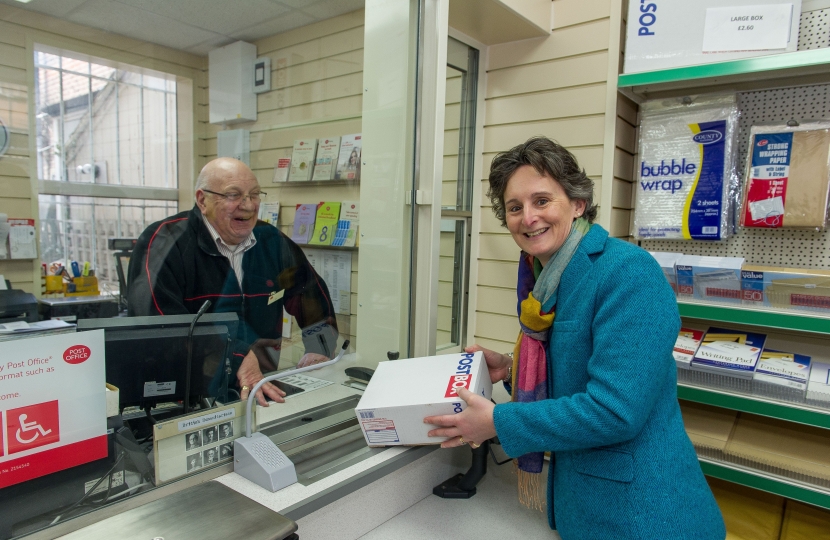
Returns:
(686,179)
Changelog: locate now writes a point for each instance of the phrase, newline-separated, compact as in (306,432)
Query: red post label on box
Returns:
(456,382)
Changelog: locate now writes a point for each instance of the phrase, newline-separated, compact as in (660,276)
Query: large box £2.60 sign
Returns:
(52,405)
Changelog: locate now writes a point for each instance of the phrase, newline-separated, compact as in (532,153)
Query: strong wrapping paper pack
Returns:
(686,169)
(788,177)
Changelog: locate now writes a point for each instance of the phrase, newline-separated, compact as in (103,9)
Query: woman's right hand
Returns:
(497,363)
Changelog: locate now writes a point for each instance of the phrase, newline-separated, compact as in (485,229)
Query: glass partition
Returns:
(331,150)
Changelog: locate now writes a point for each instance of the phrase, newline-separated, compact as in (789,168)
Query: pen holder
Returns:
(84,286)
(54,284)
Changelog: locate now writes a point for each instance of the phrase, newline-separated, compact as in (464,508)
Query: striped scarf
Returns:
(537,292)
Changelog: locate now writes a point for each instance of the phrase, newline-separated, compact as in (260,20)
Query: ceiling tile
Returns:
(137,23)
(291,20)
(50,7)
(218,16)
(326,9)
(301,3)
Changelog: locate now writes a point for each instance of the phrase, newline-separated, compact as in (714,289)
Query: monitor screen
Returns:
(146,357)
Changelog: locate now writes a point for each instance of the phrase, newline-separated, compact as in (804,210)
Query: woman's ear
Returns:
(579,208)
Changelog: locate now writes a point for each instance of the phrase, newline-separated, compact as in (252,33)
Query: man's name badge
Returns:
(274,296)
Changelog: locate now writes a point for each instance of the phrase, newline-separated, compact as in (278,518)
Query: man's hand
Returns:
(497,363)
(309,359)
(249,375)
(474,424)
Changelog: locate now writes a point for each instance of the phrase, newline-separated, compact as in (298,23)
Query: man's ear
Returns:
(200,200)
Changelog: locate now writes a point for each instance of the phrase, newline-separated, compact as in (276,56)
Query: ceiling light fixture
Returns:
(24,1)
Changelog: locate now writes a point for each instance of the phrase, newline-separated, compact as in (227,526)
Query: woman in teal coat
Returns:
(592,375)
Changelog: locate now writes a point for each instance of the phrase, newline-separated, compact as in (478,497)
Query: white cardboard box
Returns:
(664,34)
(403,392)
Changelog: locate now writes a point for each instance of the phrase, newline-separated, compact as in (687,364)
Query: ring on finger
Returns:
(473,445)
(246,388)
(460,438)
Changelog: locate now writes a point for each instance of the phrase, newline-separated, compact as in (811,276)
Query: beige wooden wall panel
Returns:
(498,300)
(560,103)
(569,132)
(13,55)
(559,73)
(12,75)
(571,12)
(557,87)
(562,43)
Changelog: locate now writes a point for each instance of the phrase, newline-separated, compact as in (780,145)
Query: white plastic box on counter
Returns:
(403,392)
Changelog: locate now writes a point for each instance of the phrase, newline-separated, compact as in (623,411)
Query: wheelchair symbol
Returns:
(26,427)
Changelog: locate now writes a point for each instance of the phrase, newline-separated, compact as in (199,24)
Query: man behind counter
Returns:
(218,251)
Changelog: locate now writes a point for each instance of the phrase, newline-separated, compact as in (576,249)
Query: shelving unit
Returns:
(816,324)
(778,485)
(768,318)
(754,76)
(760,73)
(315,183)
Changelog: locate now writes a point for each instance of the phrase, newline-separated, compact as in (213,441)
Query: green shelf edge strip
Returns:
(758,64)
(766,484)
(738,403)
(784,321)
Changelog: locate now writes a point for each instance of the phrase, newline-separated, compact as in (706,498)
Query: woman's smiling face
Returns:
(539,214)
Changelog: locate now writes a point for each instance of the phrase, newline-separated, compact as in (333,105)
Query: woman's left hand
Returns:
(473,425)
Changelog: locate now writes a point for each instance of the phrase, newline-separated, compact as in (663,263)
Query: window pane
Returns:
(77,151)
(129,135)
(98,124)
(103,72)
(75,66)
(46,59)
(155,83)
(156,140)
(48,107)
(77,229)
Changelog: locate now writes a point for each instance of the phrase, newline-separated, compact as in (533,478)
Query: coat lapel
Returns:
(580,265)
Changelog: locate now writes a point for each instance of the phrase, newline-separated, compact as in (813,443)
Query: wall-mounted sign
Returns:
(53,411)
(4,138)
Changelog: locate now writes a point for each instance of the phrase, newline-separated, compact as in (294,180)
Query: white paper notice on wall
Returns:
(22,239)
(747,28)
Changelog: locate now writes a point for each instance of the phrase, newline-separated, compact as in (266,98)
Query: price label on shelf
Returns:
(747,28)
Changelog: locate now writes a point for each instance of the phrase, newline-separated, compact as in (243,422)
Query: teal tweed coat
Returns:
(622,465)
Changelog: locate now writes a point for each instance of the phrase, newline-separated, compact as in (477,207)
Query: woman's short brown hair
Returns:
(547,158)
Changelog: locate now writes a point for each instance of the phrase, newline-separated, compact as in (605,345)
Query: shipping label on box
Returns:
(403,392)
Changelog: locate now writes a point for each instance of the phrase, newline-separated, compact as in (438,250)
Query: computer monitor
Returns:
(146,357)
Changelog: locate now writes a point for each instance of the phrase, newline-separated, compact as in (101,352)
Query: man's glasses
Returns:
(235,196)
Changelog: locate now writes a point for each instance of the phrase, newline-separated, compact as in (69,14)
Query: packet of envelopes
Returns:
(787,176)
(686,179)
